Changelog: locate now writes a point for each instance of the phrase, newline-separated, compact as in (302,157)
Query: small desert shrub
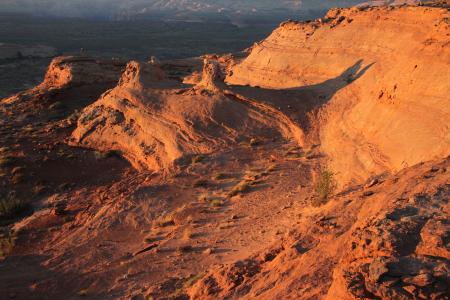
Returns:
(192,280)
(61,153)
(6,160)
(254,142)
(324,188)
(7,243)
(203,197)
(104,155)
(18,178)
(28,128)
(57,106)
(252,175)
(216,203)
(197,159)
(11,207)
(241,187)
(4,150)
(39,189)
(165,221)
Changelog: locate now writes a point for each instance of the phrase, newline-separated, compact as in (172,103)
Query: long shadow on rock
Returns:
(297,103)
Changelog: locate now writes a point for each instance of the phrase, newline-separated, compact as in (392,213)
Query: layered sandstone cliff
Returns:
(364,83)
(156,122)
(74,71)
(394,114)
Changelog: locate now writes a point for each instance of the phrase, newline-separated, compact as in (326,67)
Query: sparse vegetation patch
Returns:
(11,207)
(216,203)
(240,188)
(254,142)
(7,243)
(165,221)
(197,159)
(324,187)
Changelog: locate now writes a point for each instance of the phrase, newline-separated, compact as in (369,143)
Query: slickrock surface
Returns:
(392,108)
(390,245)
(154,122)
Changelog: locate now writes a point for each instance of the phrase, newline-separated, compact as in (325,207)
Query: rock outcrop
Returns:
(73,71)
(394,114)
(155,122)
(212,77)
(67,72)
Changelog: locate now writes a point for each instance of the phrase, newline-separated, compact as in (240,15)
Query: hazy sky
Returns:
(110,7)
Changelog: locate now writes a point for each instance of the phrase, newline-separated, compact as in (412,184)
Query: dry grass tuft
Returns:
(217,203)
(165,221)
(240,188)
(204,197)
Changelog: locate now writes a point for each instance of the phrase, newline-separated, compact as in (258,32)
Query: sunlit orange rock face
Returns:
(154,121)
(393,111)
(367,71)
(201,178)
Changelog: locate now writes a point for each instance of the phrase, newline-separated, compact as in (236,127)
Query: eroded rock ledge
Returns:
(67,72)
(391,114)
(154,122)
